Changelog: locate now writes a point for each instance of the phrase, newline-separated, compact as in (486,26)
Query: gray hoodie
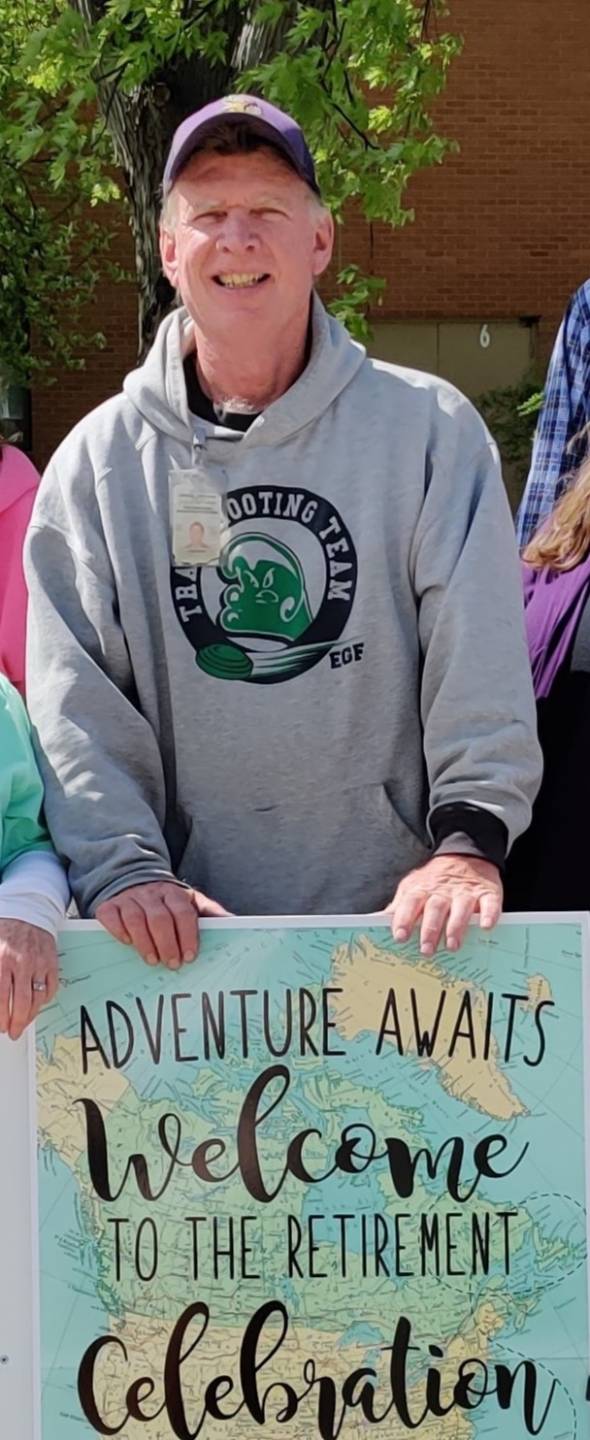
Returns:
(276,727)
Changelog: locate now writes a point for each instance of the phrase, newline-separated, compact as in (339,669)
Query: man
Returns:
(334,710)
(560,441)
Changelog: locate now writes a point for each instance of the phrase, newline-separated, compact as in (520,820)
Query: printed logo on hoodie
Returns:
(283,590)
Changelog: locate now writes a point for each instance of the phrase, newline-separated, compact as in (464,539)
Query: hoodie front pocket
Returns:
(336,852)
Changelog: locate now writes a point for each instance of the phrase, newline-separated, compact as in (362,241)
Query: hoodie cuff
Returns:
(463,829)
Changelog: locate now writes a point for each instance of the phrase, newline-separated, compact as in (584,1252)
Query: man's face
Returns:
(247,243)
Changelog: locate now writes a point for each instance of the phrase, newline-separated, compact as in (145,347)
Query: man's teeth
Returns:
(232,281)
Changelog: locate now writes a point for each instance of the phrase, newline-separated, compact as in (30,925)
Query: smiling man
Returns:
(276,652)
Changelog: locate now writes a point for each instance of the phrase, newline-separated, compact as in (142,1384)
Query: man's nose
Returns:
(238,231)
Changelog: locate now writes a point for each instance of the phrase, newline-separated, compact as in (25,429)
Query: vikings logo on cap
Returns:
(242,105)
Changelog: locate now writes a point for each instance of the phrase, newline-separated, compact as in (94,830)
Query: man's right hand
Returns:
(160,919)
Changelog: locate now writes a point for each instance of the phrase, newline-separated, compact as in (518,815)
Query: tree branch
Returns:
(369,144)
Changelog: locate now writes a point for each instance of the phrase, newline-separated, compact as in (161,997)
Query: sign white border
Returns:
(20,1368)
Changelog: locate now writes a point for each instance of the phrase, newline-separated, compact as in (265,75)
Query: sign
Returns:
(311,1186)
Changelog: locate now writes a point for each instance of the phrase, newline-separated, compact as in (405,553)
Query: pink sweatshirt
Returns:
(18,485)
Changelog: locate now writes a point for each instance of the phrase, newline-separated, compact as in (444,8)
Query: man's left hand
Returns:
(444,895)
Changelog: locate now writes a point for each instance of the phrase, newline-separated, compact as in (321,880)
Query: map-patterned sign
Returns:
(315,1185)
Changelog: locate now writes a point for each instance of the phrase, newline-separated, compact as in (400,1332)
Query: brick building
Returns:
(476,286)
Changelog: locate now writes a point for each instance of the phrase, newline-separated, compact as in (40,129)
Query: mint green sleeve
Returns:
(21,790)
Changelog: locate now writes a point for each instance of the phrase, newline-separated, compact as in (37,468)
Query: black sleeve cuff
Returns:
(487,831)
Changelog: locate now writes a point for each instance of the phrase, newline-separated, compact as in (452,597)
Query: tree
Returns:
(92,90)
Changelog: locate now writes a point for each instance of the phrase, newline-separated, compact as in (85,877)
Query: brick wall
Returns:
(113,311)
(502,229)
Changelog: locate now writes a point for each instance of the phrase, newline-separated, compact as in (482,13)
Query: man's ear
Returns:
(168,255)
(323,242)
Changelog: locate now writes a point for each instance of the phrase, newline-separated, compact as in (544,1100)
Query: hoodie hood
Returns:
(157,388)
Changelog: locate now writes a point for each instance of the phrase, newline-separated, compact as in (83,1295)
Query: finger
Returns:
(435,913)
(186,922)
(203,905)
(206,906)
(5,996)
(52,978)
(490,908)
(160,924)
(22,1001)
(47,975)
(109,914)
(38,997)
(134,925)
(462,908)
(405,912)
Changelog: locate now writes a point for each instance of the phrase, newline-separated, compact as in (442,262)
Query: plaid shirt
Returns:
(559,448)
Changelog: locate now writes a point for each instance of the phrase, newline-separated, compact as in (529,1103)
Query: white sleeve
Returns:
(34,889)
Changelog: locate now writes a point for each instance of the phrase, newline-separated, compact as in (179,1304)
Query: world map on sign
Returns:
(315,1185)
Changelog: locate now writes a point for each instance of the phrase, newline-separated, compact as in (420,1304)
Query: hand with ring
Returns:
(28,974)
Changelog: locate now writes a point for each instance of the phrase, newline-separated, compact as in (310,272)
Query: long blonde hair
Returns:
(564,539)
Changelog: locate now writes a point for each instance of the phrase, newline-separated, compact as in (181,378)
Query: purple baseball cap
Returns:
(266,119)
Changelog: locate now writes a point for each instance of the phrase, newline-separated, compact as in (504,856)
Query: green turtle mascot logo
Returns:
(267,594)
(251,618)
(265,599)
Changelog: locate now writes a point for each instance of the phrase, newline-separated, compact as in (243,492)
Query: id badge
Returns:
(198,521)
